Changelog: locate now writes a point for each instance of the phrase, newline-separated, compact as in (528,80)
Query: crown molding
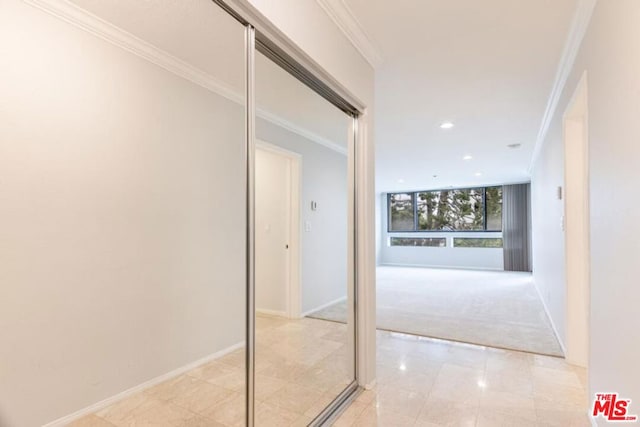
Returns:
(342,16)
(74,15)
(285,124)
(572,45)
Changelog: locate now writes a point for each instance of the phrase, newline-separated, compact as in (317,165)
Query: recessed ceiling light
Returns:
(478,173)
(514,145)
(446,125)
(467,157)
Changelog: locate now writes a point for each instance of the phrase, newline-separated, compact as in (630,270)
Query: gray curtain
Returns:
(516,227)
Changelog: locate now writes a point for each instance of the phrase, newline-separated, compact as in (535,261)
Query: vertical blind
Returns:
(516,233)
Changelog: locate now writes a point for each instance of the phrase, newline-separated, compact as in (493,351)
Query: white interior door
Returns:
(272,240)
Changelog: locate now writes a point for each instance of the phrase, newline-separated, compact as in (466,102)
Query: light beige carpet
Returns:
(496,309)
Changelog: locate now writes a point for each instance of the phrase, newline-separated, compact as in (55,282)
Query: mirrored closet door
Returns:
(304,279)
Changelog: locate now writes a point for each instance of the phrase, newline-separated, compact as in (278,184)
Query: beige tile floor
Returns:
(421,382)
(300,367)
(426,383)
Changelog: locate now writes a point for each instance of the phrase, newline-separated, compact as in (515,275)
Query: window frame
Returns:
(453,242)
(444,239)
(413,195)
(413,205)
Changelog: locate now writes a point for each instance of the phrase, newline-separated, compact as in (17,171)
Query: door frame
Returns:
(294,283)
(576,225)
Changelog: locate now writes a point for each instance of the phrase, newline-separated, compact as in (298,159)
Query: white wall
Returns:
(547,236)
(324,245)
(576,225)
(379,230)
(117,261)
(447,257)
(610,53)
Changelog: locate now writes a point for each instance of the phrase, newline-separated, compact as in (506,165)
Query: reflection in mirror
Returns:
(304,288)
(127,252)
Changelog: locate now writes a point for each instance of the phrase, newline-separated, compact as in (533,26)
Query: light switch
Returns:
(307,226)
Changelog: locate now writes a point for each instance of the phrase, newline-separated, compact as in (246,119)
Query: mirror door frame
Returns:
(256,39)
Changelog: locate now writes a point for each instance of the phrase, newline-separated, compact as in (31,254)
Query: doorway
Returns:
(303,367)
(277,231)
(576,226)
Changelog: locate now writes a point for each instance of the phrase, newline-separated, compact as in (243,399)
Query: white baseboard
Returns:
(548,313)
(443,267)
(308,312)
(147,384)
(371,385)
(275,313)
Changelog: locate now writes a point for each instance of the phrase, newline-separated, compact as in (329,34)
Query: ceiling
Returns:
(488,67)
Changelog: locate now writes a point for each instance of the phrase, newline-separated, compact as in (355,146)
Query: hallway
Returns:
(422,382)
(240,213)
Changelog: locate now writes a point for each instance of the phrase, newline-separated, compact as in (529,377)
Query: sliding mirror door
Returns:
(304,279)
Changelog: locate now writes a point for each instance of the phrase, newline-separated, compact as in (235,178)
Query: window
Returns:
(401,214)
(437,242)
(469,209)
(493,201)
(471,242)
(449,210)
